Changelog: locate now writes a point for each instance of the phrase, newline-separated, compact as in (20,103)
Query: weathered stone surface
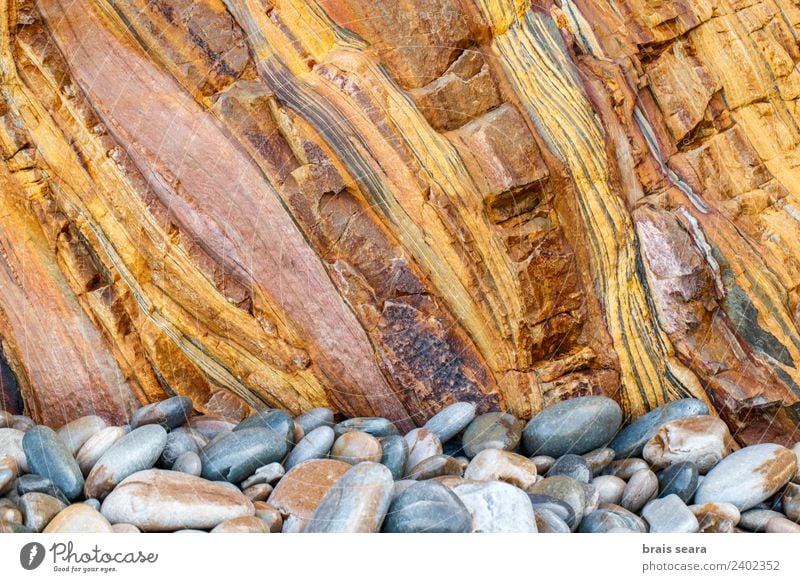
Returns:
(266,474)
(500,465)
(32,483)
(157,500)
(631,440)
(79,518)
(493,430)
(422,443)
(47,456)
(782,525)
(497,507)
(234,456)
(756,520)
(427,507)
(599,459)
(790,499)
(179,441)
(125,528)
(702,440)
(96,446)
(38,509)
(716,517)
(549,522)
(300,491)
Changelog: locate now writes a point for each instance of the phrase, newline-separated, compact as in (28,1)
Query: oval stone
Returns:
(301,490)
(188,463)
(244,524)
(436,466)
(680,479)
(782,525)
(313,419)
(670,515)
(577,426)
(573,466)
(493,430)
(599,459)
(169,413)
(235,456)
(158,500)
(716,517)
(315,445)
(422,443)
(567,490)
(179,441)
(609,489)
(136,451)
(356,503)
(356,447)
(11,446)
(626,468)
(74,434)
(275,420)
(631,440)
(549,522)
(748,476)
(269,515)
(79,518)
(376,426)
(497,507)
(451,420)
(427,507)
(96,446)
(210,426)
(755,520)
(702,440)
(47,456)
(641,488)
(500,465)
(394,454)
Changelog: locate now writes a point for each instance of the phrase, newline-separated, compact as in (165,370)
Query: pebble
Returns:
(269,515)
(748,476)
(573,466)
(451,420)
(782,525)
(189,463)
(670,515)
(158,500)
(543,463)
(422,444)
(300,491)
(356,447)
(500,465)
(210,426)
(577,426)
(497,507)
(376,426)
(641,488)
(136,451)
(680,479)
(609,488)
(277,421)
(557,506)
(79,518)
(235,456)
(32,483)
(169,413)
(493,430)
(427,507)
(716,517)
(436,467)
(97,445)
(755,520)
(266,474)
(604,520)
(631,440)
(566,489)
(315,445)
(11,446)
(356,503)
(10,514)
(599,459)
(38,509)
(702,440)
(125,528)
(626,468)
(257,492)
(244,524)
(315,418)
(6,527)
(8,473)
(74,434)
(791,501)
(93,503)
(549,522)
(179,441)
(394,454)
(47,456)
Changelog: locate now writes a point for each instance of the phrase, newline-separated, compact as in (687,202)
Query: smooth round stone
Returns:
(169,413)
(47,456)
(93,503)
(8,473)
(543,463)
(599,459)
(376,426)
(356,503)
(258,492)
(609,489)
(32,483)
(315,418)
(422,444)
(497,507)
(702,440)
(79,518)
(755,520)
(500,465)
(573,466)
(641,488)
(96,446)
(559,507)
(74,434)
(626,468)
(136,451)
(301,490)
(670,515)
(567,490)
(782,525)
(427,507)
(748,476)
(716,517)
(189,463)
(493,430)
(356,447)
(38,509)
(179,441)
(394,454)
(6,419)
(244,524)
(269,515)
(435,467)
(125,528)
(635,522)
(577,426)
(451,420)
(315,445)
(266,474)
(603,520)
(549,522)
(210,426)
(236,455)
(10,515)
(631,440)
(680,479)
(11,446)
(276,421)
(158,500)
(791,501)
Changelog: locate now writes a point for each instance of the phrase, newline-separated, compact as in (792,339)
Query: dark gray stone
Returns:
(315,418)
(394,454)
(315,445)
(680,479)
(427,507)
(47,456)
(179,441)
(577,426)
(235,456)
(451,420)
(573,466)
(493,430)
(275,420)
(169,413)
(32,483)
(376,426)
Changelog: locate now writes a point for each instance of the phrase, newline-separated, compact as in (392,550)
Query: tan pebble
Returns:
(782,525)
(641,488)
(301,490)
(703,440)
(10,515)
(543,463)
(356,447)
(8,473)
(422,444)
(609,488)
(269,515)
(716,517)
(258,492)
(79,518)
(125,528)
(625,468)
(245,524)
(500,465)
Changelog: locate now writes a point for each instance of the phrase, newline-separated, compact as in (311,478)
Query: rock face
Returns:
(506,207)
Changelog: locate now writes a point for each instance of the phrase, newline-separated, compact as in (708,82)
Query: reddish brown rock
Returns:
(300,491)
